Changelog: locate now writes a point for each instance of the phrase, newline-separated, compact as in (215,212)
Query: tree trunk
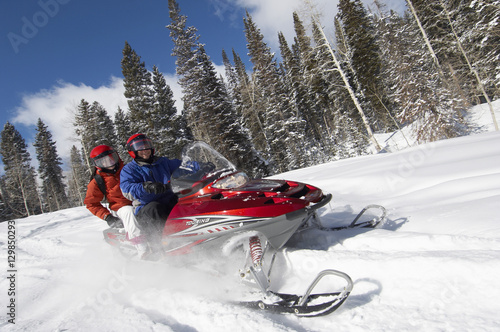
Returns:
(426,39)
(349,88)
(472,70)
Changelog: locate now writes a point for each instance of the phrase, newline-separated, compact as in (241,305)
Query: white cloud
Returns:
(273,16)
(56,107)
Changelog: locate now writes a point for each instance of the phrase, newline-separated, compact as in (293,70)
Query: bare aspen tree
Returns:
(426,39)
(347,85)
(471,68)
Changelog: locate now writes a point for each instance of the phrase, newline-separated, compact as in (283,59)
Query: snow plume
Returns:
(91,283)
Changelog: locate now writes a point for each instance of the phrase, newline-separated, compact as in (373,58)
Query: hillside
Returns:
(432,266)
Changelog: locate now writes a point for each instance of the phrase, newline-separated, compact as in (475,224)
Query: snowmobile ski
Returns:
(308,305)
(288,305)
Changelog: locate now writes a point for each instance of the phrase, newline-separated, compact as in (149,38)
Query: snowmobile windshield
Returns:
(200,161)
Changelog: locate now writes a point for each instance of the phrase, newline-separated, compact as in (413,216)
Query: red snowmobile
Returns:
(218,202)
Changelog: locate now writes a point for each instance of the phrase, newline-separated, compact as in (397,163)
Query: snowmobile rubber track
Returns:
(289,304)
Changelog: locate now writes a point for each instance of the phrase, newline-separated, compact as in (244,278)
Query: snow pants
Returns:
(126,214)
(152,218)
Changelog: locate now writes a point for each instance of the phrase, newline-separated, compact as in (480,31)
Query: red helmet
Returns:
(138,142)
(103,156)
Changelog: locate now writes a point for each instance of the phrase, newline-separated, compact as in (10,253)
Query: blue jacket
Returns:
(134,174)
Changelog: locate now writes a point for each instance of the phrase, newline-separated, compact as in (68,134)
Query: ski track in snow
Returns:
(432,265)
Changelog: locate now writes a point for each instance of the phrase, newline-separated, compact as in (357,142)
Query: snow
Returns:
(432,266)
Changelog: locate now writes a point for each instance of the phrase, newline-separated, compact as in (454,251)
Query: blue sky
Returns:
(56,52)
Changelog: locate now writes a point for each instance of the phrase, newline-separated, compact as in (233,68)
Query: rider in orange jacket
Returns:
(120,212)
(114,195)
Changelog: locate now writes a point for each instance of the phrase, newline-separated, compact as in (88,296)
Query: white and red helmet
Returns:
(138,142)
(104,156)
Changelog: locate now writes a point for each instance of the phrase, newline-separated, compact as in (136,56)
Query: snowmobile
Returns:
(217,202)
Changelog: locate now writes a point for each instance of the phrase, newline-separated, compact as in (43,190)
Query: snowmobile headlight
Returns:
(232,181)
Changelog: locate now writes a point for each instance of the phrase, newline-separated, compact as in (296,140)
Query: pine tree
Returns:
(182,134)
(151,106)
(185,48)
(83,123)
(162,113)
(321,86)
(460,17)
(284,127)
(301,109)
(483,41)
(94,127)
(104,126)
(441,44)
(479,30)
(351,124)
(78,179)
(232,84)
(241,93)
(264,74)
(138,89)
(123,132)
(19,182)
(315,105)
(423,99)
(49,170)
(364,61)
(165,132)
(248,106)
(5,211)
(230,137)
(391,33)
(209,112)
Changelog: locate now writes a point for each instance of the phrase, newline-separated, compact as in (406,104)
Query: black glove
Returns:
(156,187)
(113,222)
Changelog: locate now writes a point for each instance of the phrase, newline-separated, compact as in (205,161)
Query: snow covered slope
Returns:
(432,266)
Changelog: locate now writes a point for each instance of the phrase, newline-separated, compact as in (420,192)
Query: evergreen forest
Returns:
(318,101)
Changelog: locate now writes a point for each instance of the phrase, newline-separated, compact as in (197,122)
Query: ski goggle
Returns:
(106,159)
(140,144)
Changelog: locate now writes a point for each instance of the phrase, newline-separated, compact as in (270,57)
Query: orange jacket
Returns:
(114,194)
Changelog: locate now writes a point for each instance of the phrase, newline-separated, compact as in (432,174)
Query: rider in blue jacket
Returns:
(146,182)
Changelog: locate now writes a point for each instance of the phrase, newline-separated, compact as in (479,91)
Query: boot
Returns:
(142,250)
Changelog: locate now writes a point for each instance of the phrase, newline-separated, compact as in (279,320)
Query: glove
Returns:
(156,187)
(193,166)
(113,222)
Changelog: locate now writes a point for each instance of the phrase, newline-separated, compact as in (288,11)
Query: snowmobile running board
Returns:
(308,305)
